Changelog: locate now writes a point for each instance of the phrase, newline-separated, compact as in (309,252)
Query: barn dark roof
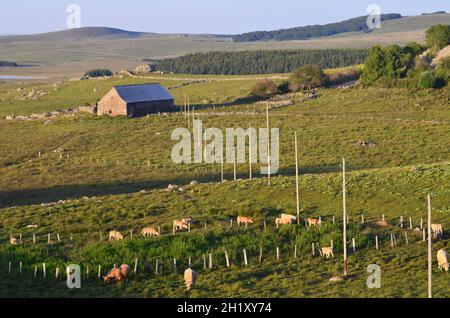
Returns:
(143,93)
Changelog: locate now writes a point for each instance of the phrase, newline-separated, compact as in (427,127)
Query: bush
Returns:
(98,73)
(430,79)
(422,64)
(307,77)
(437,37)
(264,88)
(283,88)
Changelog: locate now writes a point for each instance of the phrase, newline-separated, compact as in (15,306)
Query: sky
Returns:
(196,16)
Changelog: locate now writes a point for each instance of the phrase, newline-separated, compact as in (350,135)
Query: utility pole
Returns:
(344,204)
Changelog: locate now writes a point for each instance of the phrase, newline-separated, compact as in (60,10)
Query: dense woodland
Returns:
(260,62)
(312,31)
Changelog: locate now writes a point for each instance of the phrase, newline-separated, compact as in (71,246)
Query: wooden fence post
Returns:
(34,238)
(231,223)
(424,235)
(210,261)
(57,273)
(354,245)
(156,267)
(392,240)
(410,223)
(383,218)
(334,220)
(406,237)
(401,221)
(44,269)
(278,253)
(135,265)
(376,242)
(245,257)
(35,271)
(48,239)
(430,262)
(9,268)
(59,238)
(227,259)
(20,238)
(189,227)
(99,271)
(175,265)
(295,251)
(20,267)
(362,219)
(313,249)
(131,234)
(421,224)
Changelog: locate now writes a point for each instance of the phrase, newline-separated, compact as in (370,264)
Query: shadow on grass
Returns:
(23,197)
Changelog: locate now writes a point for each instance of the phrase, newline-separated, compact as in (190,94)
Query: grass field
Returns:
(106,162)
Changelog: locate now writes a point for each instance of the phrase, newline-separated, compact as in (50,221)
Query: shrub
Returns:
(98,73)
(283,88)
(264,88)
(307,77)
(430,79)
(437,37)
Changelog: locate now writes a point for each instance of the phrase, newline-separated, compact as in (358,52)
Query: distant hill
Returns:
(312,31)
(79,33)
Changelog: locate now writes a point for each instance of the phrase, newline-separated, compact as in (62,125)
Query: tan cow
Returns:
(283,221)
(190,277)
(149,231)
(179,225)
(443,258)
(187,221)
(382,224)
(115,236)
(289,217)
(436,230)
(13,241)
(326,252)
(118,274)
(244,220)
(313,222)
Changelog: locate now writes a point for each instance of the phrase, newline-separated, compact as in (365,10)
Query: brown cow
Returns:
(179,226)
(13,241)
(382,224)
(190,277)
(244,220)
(443,258)
(149,231)
(283,221)
(313,222)
(326,252)
(118,274)
(115,236)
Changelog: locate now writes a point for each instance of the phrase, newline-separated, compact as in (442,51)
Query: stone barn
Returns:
(136,101)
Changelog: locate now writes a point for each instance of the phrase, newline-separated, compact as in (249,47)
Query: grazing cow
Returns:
(289,217)
(244,220)
(436,230)
(179,225)
(149,231)
(313,222)
(115,236)
(13,241)
(190,277)
(442,258)
(283,221)
(326,252)
(382,224)
(118,274)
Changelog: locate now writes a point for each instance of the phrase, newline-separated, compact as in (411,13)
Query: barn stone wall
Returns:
(112,105)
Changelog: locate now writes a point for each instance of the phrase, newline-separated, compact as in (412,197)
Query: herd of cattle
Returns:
(190,276)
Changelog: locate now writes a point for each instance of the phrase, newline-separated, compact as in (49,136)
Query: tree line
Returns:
(259,62)
(358,24)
